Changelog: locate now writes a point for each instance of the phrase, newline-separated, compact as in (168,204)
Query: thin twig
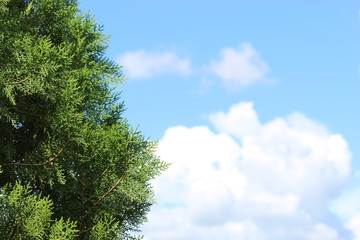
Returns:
(85,215)
(39,164)
(29,113)
(97,178)
(109,191)
(19,82)
(89,198)
(85,186)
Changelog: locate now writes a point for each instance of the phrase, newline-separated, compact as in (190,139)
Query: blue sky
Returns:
(260,84)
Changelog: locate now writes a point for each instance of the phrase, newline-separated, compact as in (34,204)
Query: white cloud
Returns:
(236,67)
(249,180)
(322,232)
(241,120)
(146,64)
(354,226)
(239,67)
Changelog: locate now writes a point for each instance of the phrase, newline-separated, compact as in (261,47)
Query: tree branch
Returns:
(39,164)
(86,214)
(29,113)
(19,82)
(109,191)
(85,186)
(97,178)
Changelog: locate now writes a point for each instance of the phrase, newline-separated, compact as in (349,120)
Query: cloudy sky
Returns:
(255,104)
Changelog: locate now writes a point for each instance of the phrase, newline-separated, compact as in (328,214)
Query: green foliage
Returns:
(105,227)
(62,230)
(28,216)
(62,131)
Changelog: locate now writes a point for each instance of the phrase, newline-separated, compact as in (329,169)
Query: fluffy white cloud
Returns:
(322,231)
(239,67)
(249,180)
(354,226)
(145,64)
(236,67)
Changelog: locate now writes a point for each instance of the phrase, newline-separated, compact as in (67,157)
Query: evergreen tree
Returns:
(65,146)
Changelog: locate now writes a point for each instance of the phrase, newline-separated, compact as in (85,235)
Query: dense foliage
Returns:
(66,150)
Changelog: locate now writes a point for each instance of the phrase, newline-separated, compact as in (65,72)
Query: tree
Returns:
(64,141)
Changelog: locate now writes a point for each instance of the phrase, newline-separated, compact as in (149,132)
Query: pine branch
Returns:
(29,19)
(97,178)
(19,82)
(110,190)
(29,113)
(88,199)
(86,214)
(40,164)
(85,186)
